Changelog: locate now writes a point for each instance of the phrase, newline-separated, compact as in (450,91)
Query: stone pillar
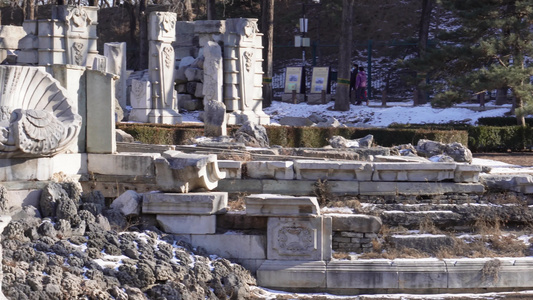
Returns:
(141,100)
(161,34)
(215,110)
(243,72)
(100,113)
(116,64)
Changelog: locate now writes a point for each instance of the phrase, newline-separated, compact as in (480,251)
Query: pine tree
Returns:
(490,50)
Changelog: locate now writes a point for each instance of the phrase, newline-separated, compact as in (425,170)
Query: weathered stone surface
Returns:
(185,204)
(135,164)
(362,274)
(232,246)
(422,172)
(292,274)
(270,205)
(232,168)
(282,170)
(187,224)
(457,151)
(215,119)
(356,223)
(252,134)
(332,170)
(427,243)
(129,203)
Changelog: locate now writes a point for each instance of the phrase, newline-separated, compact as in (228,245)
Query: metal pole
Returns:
(303,30)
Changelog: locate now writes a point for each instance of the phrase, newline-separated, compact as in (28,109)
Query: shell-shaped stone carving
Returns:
(43,120)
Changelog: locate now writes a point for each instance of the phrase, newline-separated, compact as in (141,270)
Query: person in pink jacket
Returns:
(360,87)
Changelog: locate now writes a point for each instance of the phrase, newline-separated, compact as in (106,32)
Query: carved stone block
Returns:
(299,238)
(281,206)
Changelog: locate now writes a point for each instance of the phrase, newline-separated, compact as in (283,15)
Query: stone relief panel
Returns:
(36,117)
(294,238)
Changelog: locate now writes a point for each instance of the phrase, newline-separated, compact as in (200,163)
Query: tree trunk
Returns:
(28,9)
(187,13)
(211,12)
(267,24)
(143,36)
(342,95)
(423,34)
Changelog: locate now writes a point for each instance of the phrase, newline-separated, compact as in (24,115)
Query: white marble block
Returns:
(270,205)
(332,170)
(188,224)
(185,204)
(282,170)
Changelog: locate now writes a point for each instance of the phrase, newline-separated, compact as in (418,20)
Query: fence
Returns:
(379,59)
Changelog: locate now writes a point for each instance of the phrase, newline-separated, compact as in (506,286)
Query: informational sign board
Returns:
(293,79)
(319,79)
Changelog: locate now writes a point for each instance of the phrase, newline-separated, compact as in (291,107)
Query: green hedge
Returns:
(492,138)
(501,121)
(478,138)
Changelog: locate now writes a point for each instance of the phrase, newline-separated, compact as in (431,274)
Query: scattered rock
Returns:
(252,134)
(129,203)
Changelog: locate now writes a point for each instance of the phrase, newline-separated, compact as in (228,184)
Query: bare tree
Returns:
(211,12)
(420,96)
(342,95)
(267,27)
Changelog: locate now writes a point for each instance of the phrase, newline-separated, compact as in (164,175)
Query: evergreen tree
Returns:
(490,50)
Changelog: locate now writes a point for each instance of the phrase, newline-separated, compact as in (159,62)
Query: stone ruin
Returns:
(62,126)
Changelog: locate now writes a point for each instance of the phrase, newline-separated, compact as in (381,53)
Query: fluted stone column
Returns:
(161,34)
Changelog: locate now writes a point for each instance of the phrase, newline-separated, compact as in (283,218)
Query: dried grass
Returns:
(428,226)
(236,202)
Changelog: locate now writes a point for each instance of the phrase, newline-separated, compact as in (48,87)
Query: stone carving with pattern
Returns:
(36,117)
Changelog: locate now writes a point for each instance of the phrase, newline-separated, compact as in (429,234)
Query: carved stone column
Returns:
(243,72)
(70,37)
(161,34)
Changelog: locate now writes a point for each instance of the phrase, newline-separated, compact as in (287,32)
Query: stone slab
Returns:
(100,112)
(418,188)
(422,172)
(489,273)
(187,224)
(124,163)
(232,245)
(422,275)
(362,274)
(332,170)
(282,170)
(272,205)
(356,223)
(291,275)
(186,204)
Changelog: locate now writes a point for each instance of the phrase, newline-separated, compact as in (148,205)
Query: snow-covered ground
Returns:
(377,116)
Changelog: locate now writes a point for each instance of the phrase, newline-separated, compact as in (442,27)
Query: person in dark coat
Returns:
(353,76)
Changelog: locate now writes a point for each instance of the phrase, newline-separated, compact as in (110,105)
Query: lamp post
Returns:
(302,41)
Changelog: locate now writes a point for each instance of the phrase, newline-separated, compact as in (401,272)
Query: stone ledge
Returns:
(398,276)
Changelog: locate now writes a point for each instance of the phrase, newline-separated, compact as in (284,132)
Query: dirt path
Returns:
(516,158)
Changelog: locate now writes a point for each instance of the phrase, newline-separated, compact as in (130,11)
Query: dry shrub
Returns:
(350,203)
(236,202)
(404,252)
(341,255)
(488,226)
(508,245)
(505,198)
(428,226)
(322,191)
(491,270)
